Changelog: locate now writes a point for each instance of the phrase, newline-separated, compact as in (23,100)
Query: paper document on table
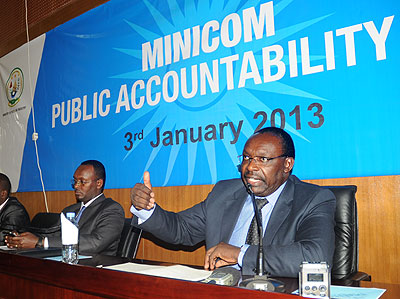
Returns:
(59,258)
(5,248)
(175,271)
(355,292)
(341,292)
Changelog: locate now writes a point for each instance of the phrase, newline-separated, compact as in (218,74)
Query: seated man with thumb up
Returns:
(297,217)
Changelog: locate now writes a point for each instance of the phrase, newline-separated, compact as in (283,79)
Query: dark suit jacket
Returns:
(100,227)
(301,226)
(13,216)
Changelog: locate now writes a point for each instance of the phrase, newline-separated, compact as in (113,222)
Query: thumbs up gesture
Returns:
(142,197)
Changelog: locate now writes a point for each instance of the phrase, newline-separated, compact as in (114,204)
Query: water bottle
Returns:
(69,238)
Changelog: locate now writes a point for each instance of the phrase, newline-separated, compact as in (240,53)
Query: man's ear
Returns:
(99,183)
(289,163)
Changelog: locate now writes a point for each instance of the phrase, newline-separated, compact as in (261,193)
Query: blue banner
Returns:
(176,87)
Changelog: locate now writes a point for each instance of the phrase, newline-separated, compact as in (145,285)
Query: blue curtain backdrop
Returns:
(176,87)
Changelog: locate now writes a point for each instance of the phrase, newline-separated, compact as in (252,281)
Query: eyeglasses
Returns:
(80,182)
(258,159)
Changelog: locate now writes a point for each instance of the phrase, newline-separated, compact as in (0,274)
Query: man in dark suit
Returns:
(298,218)
(13,215)
(100,222)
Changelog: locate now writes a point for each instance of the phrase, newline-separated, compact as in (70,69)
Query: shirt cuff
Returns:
(142,214)
(46,243)
(242,252)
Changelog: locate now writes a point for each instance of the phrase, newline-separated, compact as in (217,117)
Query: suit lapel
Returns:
(232,209)
(89,210)
(280,212)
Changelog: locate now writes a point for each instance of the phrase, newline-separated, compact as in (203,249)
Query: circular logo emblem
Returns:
(15,86)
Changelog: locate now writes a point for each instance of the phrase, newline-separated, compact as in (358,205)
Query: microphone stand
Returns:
(260,281)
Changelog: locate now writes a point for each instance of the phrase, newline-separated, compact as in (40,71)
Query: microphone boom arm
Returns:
(260,281)
(260,271)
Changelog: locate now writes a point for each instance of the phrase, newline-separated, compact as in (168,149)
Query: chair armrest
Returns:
(359,276)
(353,280)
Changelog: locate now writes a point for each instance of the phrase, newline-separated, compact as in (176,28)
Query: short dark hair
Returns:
(286,139)
(5,183)
(99,170)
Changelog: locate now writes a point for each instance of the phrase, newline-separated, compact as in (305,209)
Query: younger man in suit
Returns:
(100,222)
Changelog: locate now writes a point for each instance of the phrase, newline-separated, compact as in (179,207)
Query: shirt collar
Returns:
(4,203)
(273,198)
(90,201)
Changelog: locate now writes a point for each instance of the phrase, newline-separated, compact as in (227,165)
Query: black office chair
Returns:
(130,238)
(45,223)
(345,259)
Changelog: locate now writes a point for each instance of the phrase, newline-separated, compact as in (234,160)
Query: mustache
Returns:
(252,177)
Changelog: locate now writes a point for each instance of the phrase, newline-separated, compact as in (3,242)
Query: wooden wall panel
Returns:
(42,17)
(378,201)
(35,203)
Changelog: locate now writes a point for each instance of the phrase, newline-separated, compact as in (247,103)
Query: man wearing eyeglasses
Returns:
(100,219)
(297,218)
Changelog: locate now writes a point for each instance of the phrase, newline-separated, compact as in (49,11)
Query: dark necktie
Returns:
(252,235)
(79,214)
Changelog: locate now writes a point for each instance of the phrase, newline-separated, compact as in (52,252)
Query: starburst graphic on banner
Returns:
(211,107)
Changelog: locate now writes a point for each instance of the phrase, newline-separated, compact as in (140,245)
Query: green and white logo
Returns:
(15,86)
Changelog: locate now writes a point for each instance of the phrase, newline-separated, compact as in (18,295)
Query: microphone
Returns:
(260,255)
(260,281)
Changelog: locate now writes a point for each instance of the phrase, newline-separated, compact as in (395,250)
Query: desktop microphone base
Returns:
(263,283)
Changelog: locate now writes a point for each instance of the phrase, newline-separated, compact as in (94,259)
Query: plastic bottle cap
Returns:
(70,215)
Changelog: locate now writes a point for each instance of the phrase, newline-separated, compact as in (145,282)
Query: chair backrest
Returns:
(345,258)
(130,238)
(43,223)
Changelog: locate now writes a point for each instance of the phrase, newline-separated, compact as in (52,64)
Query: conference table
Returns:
(24,276)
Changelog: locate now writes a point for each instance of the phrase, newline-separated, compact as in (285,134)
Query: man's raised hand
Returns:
(142,196)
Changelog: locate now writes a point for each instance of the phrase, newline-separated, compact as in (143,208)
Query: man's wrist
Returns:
(143,214)
(39,243)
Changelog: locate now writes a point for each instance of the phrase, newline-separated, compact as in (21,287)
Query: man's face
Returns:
(87,185)
(3,196)
(265,177)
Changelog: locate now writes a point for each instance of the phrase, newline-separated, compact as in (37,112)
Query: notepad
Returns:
(174,271)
